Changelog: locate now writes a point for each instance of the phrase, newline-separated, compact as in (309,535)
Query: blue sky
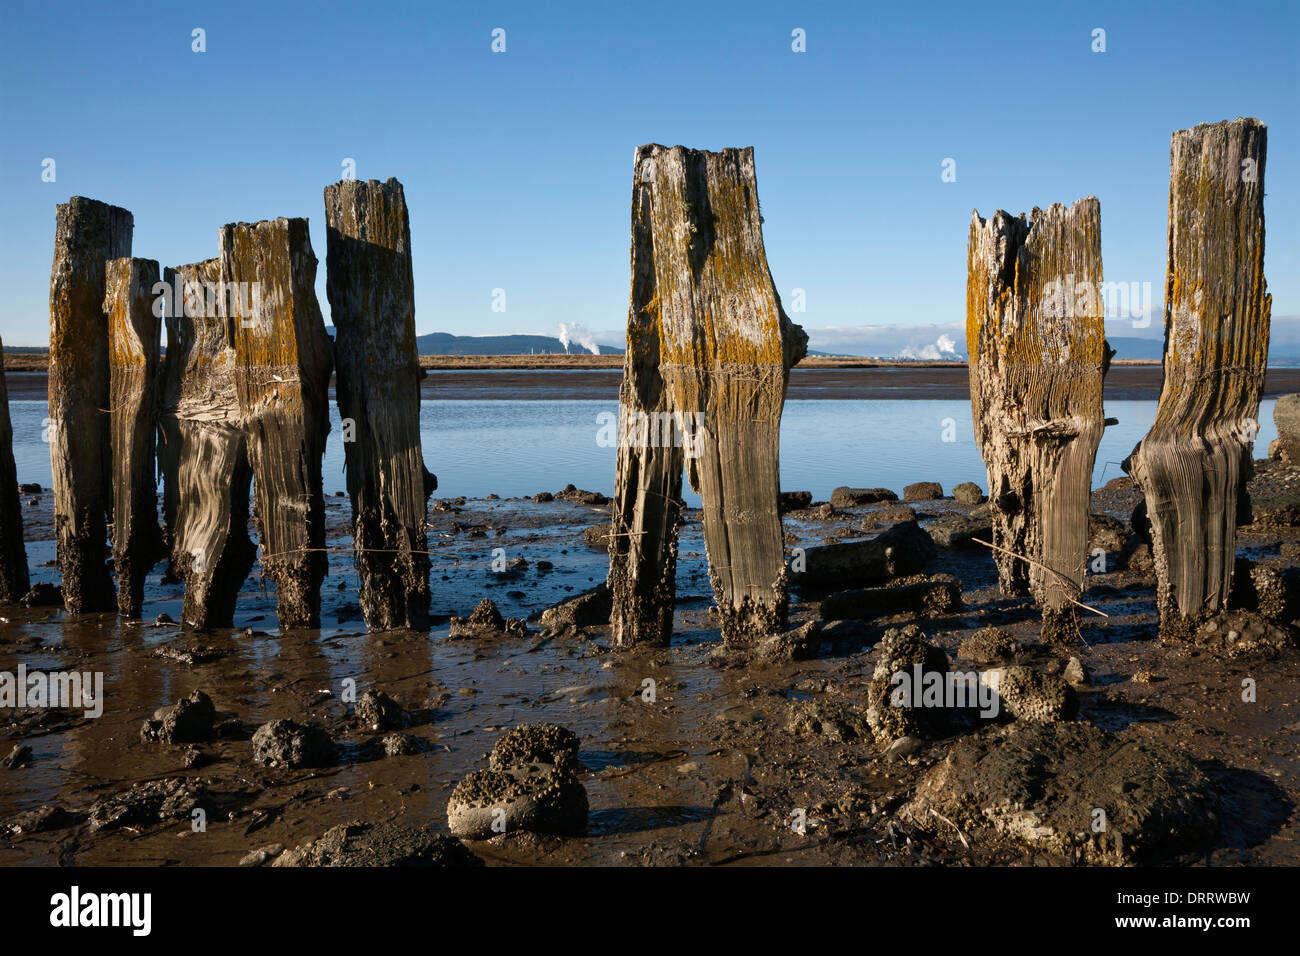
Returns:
(517,165)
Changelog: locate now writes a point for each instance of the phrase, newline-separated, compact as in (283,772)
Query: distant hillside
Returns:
(444,343)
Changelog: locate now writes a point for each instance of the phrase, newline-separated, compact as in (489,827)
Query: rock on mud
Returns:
(1043,783)
(988,645)
(284,743)
(1107,533)
(154,801)
(486,621)
(43,595)
(1242,634)
(40,820)
(968,493)
(379,844)
(958,531)
(539,798)
(591,608)
(188,721)
(377,711)
(536,743)
(831,719)
(794,501)
(920,595)
(901,650)
(900,550)
(1286,416)
(530,785)
(845,497)
(923,491)
(1032,696)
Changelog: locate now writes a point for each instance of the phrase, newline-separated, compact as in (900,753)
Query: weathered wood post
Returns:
(282,369)
(725,351)
(372,304)
(202,451)
(14,582)
(133,340)
(87,234)
(647,502)
(1194,463)
(1038,354)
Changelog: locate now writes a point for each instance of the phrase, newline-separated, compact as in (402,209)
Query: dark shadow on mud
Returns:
(1252,807)
(640,819)
(1115,715)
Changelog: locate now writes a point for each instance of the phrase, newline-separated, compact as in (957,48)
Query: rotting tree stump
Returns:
(282,369)
(1038,355)
(14,581)
(1194,463)
(706,317)
(133,340)
(87,234)
(372,304)
(202,451)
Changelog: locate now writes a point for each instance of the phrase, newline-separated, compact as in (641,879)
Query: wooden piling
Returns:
(202,451)
(725,350)
(1038,355)
(87,234)
(14,582)
(1194,463)
(133,341)
(647,505)
(372,305)
(283,362)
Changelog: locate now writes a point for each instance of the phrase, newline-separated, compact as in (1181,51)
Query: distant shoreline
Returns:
(599,380)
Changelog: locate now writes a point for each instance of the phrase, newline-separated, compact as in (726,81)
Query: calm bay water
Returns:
(518,448)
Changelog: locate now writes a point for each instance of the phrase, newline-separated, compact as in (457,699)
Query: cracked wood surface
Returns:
(87,234)
(709,341)
(202,453)
(283,360)
(133,340)
(1193,465)
(1038,355)
(372,304)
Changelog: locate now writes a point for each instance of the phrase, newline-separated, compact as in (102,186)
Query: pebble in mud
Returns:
(284,743)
